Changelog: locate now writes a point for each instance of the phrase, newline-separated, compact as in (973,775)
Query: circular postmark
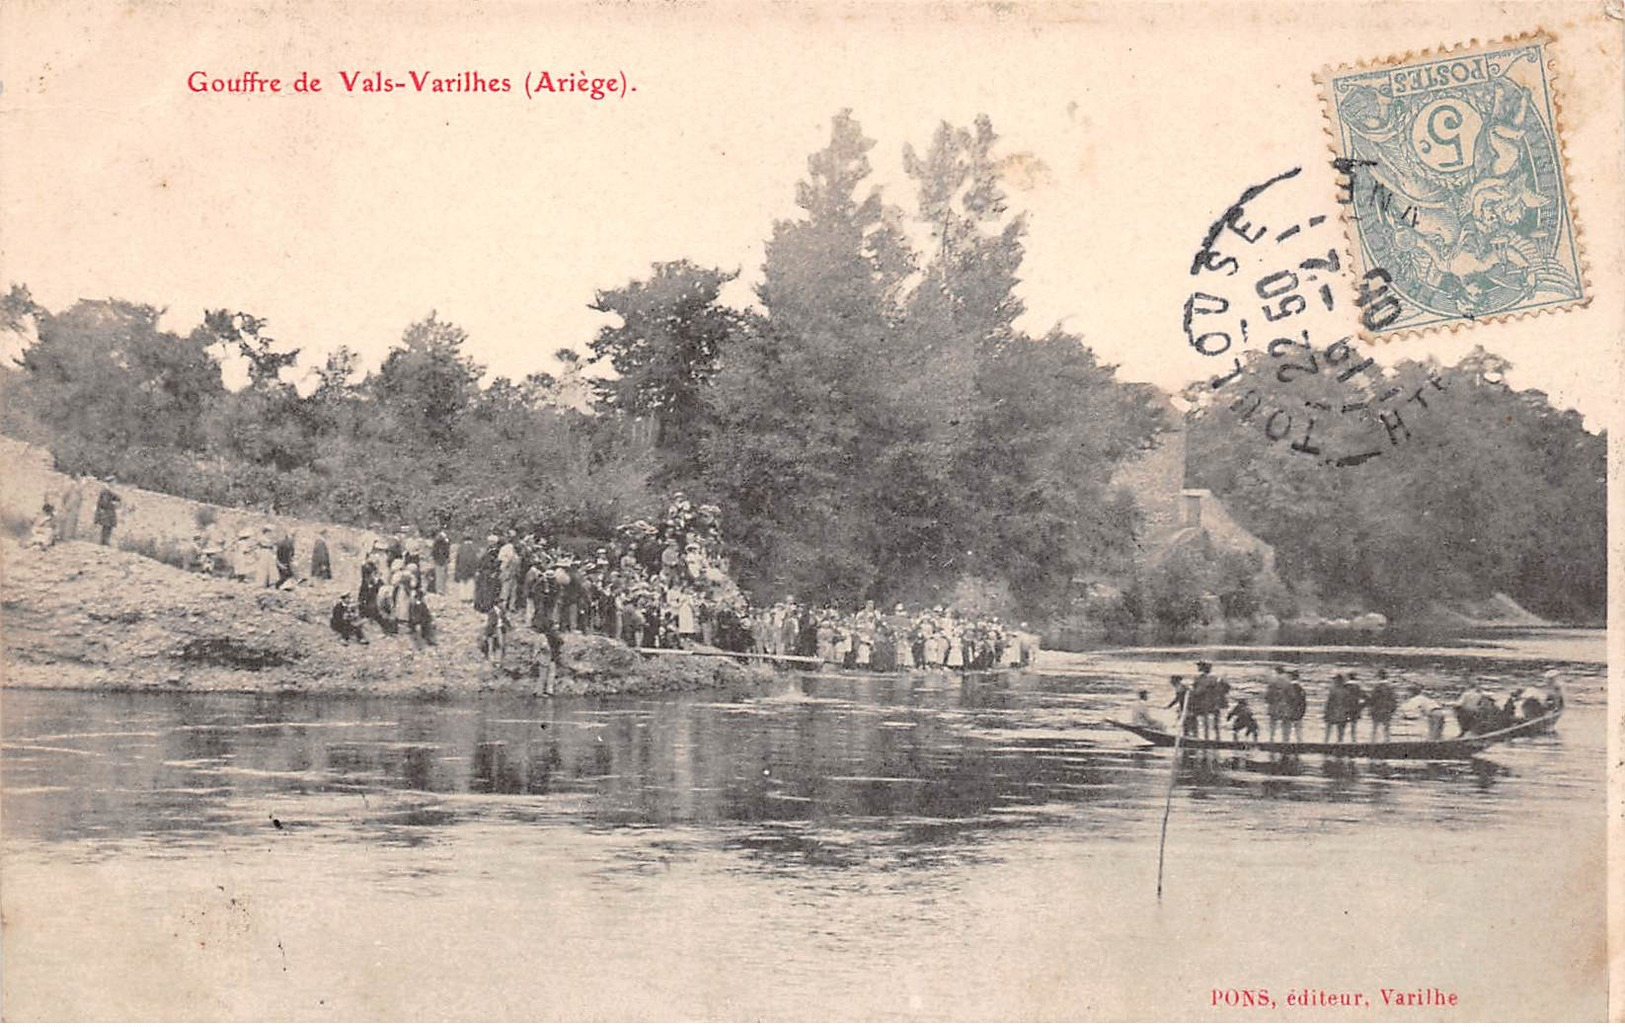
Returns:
(1276,307)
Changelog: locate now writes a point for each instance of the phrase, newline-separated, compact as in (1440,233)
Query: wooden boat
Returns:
(1458,748)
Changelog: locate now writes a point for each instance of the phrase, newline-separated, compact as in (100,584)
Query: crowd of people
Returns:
(870,639)
(656,585)
(1204,699)
(663,584)
(59,522)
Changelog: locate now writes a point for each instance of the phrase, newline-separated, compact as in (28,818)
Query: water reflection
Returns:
(916,759)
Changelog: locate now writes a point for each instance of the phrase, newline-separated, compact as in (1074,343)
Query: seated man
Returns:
(1423,706)
(42,535)
(419,620)
(1140,713)
(346,620)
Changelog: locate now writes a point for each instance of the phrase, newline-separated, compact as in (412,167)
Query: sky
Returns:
(343,217)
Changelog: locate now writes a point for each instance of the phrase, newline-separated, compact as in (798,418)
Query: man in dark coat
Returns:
(1343,703)
(1381,703)
(440,553)
(321,561)
(466,565)
(107,504)
(284,557)
(1209,696)
(488,576)
(346,621)
(1296,709)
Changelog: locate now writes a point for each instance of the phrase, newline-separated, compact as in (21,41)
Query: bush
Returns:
(1175,587)
(15,524)
(177,554)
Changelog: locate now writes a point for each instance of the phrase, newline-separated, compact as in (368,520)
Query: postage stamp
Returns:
(1453,184)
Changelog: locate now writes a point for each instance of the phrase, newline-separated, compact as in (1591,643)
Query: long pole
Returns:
(1173,775)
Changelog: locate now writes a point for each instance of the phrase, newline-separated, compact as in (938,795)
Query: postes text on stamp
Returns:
(1453,183)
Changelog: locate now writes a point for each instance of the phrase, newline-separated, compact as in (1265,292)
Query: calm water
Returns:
(848,848)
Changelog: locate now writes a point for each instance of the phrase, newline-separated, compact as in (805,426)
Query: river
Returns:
(845,848)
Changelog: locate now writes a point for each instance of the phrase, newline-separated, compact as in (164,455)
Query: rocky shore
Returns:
(79,616)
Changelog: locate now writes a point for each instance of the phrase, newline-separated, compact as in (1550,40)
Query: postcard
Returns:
(810,512)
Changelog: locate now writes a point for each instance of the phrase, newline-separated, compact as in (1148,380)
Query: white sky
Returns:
(342,218)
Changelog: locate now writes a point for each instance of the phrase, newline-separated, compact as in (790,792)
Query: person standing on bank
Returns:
(466,565)
(67,518)
(107,504)
(265,560)
(321,561)
(440,553)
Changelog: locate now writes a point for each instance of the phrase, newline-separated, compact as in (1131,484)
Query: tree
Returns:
(664,352)
(247,333)
(803,406)
(265,422)
(425,387)
(109,382)
(1051,424)
(967,300)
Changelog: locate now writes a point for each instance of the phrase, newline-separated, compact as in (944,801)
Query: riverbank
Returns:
(80,616)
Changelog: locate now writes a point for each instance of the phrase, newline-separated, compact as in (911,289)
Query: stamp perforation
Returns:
(1550,72)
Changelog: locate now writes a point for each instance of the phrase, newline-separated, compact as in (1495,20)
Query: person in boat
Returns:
(1381,703)
(1476,711)
(1537,701)
(1209,697)
(1297,708)
(1242,721)
(1342,711)
(1424,707)
(1177,703)
(1140,713)
(1278,701)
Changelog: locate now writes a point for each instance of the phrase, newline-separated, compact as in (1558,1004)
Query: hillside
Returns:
(81,616)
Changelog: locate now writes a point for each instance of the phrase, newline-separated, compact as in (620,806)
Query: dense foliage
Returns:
(1479,489)
(874,426)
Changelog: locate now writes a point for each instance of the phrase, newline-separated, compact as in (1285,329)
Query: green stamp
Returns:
(1453,187)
